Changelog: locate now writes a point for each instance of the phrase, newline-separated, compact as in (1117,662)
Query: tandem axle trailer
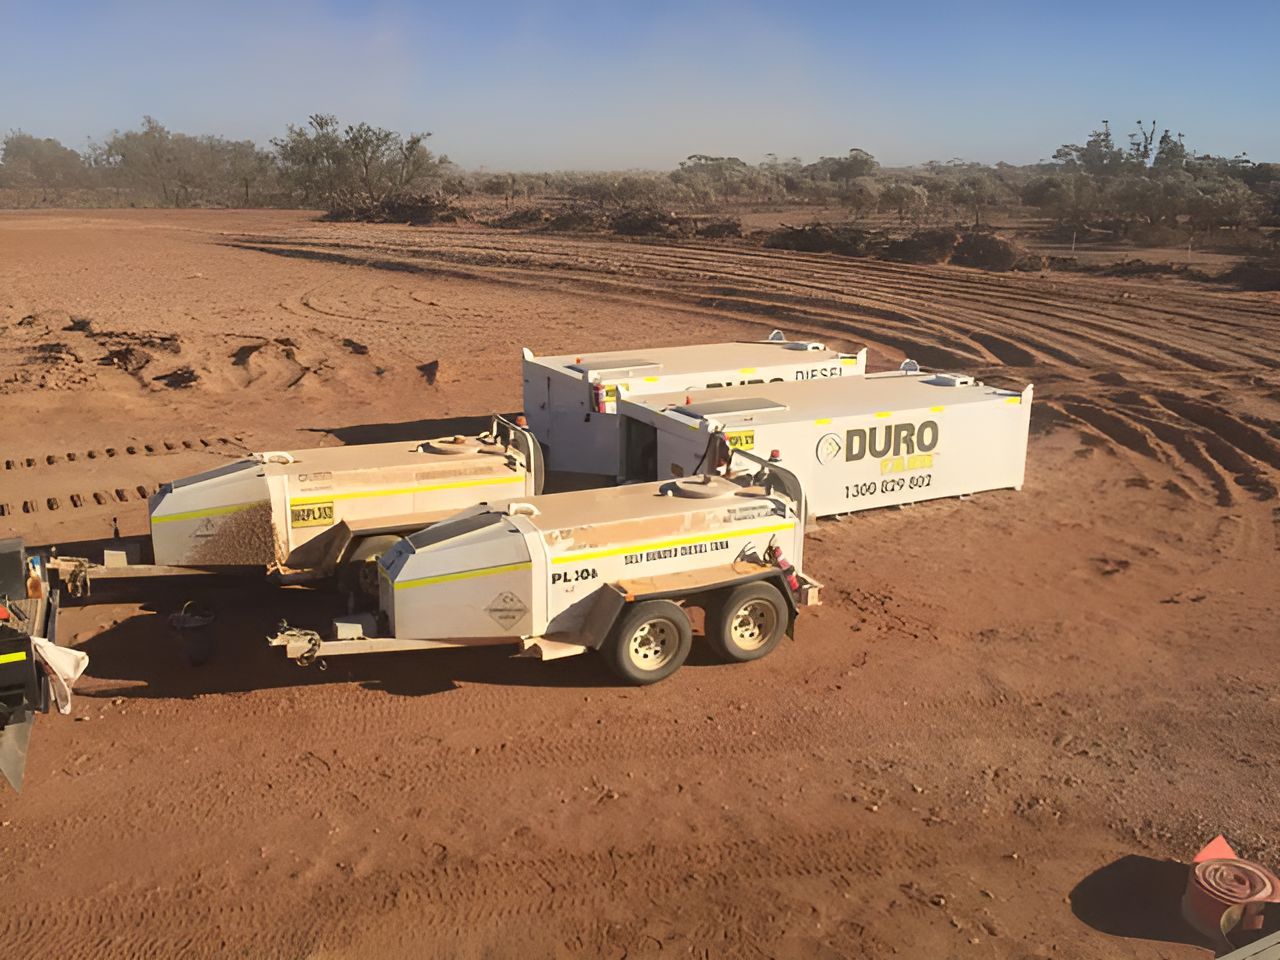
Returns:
(611,570)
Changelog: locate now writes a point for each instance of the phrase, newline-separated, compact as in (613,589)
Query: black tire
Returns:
(649,642)
(747,622)
(358,572)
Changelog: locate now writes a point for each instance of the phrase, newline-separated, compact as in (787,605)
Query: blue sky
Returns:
(545,85)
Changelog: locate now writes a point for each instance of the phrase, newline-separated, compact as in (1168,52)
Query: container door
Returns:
(639,451)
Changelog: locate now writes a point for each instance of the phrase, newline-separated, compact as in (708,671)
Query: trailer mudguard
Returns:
(610,601)
(606,606)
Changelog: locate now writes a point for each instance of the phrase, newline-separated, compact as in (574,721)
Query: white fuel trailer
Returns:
(572,400)
(611,570)
(874,441)
(308,513)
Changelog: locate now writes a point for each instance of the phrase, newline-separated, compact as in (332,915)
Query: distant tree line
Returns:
(1148,186)
(321,164)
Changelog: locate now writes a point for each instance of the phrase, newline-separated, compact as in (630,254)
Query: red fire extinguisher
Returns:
(724,454)
(783,564)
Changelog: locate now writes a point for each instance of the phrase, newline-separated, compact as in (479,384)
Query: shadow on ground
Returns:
(1139,898)
(409,429)
(142,656)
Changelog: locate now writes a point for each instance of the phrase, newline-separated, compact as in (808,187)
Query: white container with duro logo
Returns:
(308,513)
(875,441)
(571,401)
(612,570)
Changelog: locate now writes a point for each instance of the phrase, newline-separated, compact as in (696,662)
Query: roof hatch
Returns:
(630,367)
(724,408)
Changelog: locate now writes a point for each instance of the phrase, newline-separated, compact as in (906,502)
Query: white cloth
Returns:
(64,668)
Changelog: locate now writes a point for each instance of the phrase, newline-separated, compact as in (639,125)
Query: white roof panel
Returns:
(741,356)
(795,401)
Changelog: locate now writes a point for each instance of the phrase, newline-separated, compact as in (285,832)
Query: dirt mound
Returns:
(821,238)
(277,363)
(418,211)
(522,219)
(646,222)
(986,251)
(1253,275)
(922,246)
(720,229)
(576,220)
(130,359)
(1139,268)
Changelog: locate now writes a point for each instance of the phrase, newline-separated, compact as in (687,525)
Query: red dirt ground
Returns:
(1011,712)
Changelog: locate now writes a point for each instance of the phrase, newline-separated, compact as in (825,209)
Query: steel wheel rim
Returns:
(753,624)
(653,644)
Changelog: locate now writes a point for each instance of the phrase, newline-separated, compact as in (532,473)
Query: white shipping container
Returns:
(874,441)
(571,401)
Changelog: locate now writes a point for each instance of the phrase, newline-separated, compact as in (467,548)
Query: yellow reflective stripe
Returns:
(936,409)
(1012,399)
(13,657)
(211,512)
(884,414)
(464,575)
(822,421)
(650,379)
(847,361)
(677,542)
(399,491)
(747,370)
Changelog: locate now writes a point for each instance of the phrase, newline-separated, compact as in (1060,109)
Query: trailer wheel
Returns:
(650,641)
(747,623)
(358,573)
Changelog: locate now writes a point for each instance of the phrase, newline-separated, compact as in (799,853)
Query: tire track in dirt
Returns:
(826,267)
(961,307)
(132,448)
(459,892)
(18,499)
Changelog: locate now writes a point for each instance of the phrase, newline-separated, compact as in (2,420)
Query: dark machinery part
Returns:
(24,686)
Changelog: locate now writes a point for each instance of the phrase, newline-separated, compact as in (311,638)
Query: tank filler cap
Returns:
(450,445)
(521,508)
(806,345)
(274,456)
(700,488)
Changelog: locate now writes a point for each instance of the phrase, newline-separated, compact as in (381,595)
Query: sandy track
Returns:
(1000,696)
